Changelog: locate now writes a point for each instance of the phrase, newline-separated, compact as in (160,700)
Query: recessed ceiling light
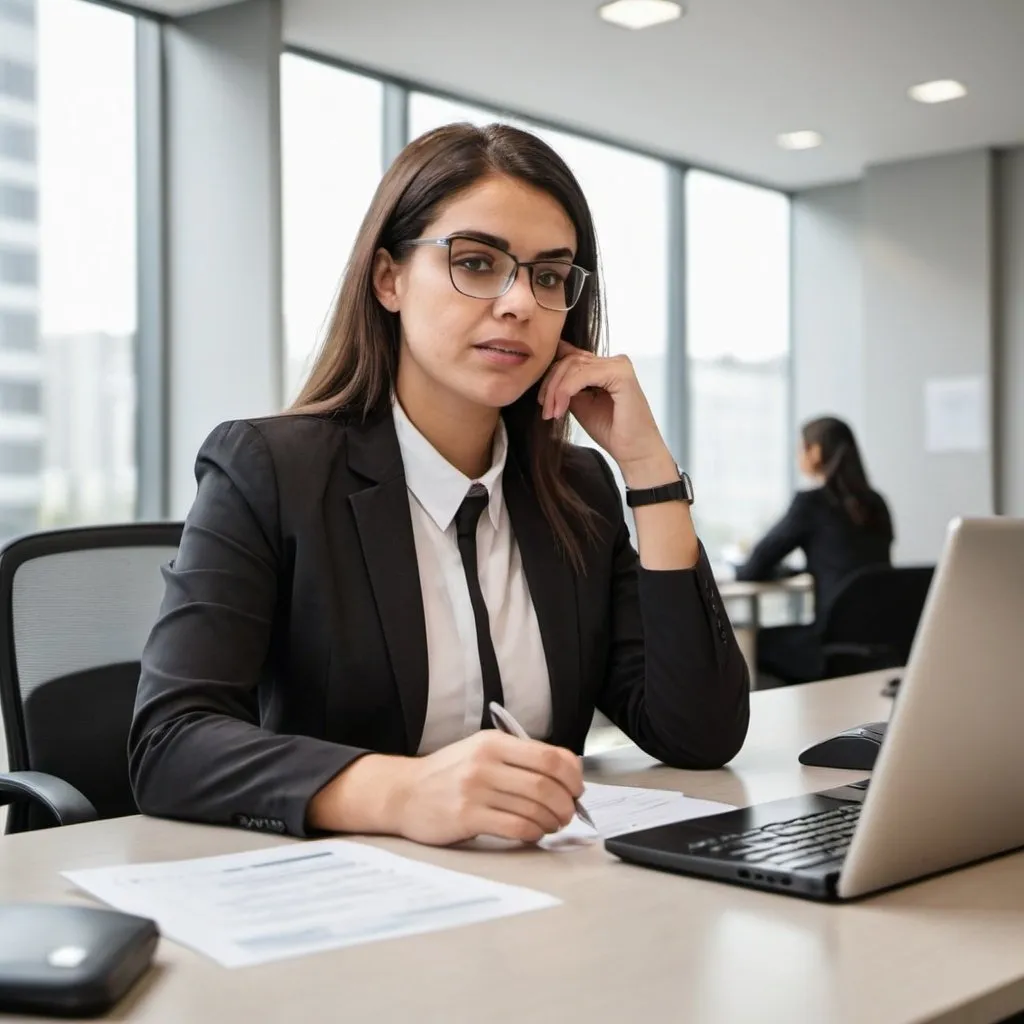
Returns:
(940,91)
(799,140)
(640,13)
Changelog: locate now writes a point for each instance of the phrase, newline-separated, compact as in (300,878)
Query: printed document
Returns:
(251,908)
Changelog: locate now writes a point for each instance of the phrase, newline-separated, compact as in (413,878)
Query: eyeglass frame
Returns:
(446,242)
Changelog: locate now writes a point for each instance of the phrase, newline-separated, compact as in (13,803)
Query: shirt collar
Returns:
(436,484)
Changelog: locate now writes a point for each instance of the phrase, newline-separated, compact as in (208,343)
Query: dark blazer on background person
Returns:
(834,545)
(291,639)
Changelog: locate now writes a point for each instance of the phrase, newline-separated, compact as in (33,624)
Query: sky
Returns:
(737,235)
(86,89)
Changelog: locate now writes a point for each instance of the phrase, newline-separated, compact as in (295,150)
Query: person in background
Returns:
(841,525)
(358,578)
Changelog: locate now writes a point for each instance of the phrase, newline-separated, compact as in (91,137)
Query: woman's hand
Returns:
(490,784)
(605,396)
(487,784)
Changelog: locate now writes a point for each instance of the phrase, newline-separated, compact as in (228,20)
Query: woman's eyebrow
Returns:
(502,243)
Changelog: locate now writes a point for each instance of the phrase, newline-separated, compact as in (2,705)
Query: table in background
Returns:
(752,593)
(627,943)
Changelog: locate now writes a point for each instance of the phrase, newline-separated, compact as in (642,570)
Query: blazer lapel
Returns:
(384,524)
(552,584)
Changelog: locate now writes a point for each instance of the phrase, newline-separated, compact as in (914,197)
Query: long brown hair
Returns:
(356,365)
(846,480)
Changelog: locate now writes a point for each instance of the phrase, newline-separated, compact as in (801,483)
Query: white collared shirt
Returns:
(456,696)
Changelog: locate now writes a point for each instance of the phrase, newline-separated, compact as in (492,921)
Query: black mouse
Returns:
(855,748)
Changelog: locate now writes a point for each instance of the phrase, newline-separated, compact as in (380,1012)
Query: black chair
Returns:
(873,619)
(77,608)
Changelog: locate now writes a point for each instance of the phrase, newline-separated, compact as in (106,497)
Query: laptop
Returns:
(948,785)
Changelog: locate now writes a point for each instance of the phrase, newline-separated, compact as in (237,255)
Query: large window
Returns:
(628,196)
(737,302)
(332,148)
(67,264)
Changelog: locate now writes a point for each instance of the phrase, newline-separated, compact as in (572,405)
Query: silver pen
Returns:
(506,723)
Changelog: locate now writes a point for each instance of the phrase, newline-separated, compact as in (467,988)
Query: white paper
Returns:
(956,415)
(620,809)
(251,908)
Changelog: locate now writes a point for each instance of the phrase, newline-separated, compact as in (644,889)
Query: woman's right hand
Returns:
(489,784)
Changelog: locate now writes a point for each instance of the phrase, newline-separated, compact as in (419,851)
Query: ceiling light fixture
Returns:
(640,13)
(940,91)
(804,139)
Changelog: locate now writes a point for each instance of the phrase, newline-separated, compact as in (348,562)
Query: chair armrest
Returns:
(65,803)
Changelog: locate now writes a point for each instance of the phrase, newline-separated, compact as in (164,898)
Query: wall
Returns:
(928,314)
(894,285)
(224,226)
(828,330)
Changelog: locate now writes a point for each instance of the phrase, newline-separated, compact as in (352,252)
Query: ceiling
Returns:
(715,87)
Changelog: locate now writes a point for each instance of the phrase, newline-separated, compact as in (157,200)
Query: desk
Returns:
(752,592)
(628,944)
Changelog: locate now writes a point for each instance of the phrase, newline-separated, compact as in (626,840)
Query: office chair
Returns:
(77,607)
(873,619)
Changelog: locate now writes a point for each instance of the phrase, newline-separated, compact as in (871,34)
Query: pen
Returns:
(506,723)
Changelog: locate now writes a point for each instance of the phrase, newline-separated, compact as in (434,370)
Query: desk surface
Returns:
(627,943)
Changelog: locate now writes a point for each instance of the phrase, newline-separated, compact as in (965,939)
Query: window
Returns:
(328,179)
(737,302)
(18,202)
(67,266)
(18,266)
(17,80)
(17,141)
(20,396)
(628,197)
(18,11)
(21,457)
(18,331)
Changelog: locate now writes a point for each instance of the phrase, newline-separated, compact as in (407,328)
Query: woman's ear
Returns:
(385,280)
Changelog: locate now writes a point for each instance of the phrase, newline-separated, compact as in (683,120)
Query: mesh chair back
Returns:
(78,606)
(880,606)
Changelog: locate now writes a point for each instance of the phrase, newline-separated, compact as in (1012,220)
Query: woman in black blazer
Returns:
(841,525)
(416,537)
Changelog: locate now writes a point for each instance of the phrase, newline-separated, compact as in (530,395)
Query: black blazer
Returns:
(833,544)
(291,637)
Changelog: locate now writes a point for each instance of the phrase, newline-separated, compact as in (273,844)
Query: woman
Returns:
(841,525)
(358,577)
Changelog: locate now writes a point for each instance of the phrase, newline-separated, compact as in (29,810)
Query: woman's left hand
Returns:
(605,397)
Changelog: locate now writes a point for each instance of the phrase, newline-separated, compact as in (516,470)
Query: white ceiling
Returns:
(715,87)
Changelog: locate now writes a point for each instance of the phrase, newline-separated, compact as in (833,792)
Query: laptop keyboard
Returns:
(806,842)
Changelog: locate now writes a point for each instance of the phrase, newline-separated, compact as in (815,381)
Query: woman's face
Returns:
(809,460)
(486,352)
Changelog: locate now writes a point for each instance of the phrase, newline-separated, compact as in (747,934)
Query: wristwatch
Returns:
(678,490)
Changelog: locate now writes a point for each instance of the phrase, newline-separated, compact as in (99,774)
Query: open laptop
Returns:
(948,785)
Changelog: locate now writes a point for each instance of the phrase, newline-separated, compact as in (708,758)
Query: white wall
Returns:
(928,314)
(224,226)
(828,328)
(1011,349)
(893,285)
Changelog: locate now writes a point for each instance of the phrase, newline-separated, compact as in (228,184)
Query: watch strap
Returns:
(677,490)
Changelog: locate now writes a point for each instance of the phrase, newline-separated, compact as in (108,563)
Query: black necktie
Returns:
(465,526)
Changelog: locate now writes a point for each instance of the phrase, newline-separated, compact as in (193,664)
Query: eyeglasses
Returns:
(482,271)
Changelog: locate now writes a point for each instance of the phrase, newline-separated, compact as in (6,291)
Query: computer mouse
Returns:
(855,748)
